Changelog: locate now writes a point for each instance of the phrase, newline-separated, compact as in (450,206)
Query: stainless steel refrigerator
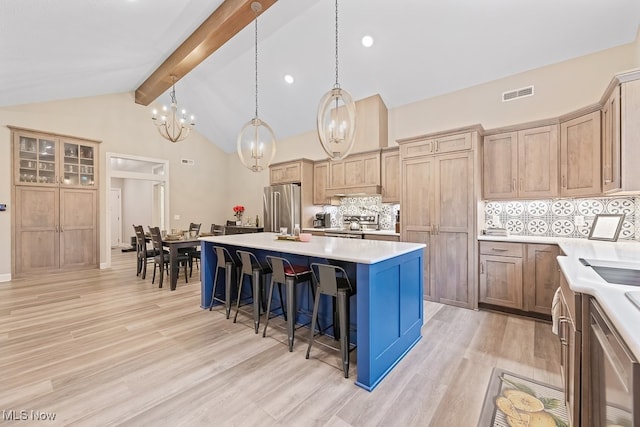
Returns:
(281,207)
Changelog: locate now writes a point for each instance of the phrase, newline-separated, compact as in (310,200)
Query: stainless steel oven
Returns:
(614,375)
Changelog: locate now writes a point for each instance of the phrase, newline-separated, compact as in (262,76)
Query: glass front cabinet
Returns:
(48,160)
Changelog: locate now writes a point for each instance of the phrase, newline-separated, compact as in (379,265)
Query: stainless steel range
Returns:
(354,226)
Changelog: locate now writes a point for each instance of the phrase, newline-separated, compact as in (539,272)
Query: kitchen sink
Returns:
(614,272)
(619,276)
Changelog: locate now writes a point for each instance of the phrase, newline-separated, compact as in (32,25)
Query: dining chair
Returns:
(162,258)
(333,281)
(217,230)
(193,253)
(144,255)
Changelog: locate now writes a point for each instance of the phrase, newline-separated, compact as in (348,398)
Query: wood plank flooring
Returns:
(104,347)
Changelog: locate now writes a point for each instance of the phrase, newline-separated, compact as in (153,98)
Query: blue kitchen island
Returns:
(389,282)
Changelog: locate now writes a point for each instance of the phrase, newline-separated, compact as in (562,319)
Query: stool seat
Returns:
(283,272)
(333,281)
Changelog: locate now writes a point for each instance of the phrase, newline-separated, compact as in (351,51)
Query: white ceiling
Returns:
(74,48)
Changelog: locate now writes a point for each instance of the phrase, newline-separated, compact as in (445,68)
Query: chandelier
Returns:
(337,117)
(256,141)
(172,125)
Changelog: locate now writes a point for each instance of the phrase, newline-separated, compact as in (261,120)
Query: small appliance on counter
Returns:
(322,220)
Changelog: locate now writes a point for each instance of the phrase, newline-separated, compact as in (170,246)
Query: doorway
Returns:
(115,217)
(144,196)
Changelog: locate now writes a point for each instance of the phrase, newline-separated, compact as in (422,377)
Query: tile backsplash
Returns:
(557,218)
(363,205)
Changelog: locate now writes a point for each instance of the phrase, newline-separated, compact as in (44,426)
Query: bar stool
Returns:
(256,271)
(289,275)
(229,264)
(332,280)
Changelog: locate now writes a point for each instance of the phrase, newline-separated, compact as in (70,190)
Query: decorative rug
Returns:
(515,401)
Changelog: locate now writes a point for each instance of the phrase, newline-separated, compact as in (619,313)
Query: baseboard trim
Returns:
(104,265)
(5,277)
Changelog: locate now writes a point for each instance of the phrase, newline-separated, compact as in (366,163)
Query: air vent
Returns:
(188,162)
(517,93)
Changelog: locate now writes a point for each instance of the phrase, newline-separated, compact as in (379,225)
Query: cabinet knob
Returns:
(482,268)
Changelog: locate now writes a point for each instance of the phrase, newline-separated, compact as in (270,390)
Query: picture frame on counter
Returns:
(606,227)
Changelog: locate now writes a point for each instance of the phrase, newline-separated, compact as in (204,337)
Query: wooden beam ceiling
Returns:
(224,23)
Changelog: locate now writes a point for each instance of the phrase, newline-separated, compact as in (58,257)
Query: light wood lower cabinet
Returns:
(55,228)
(519,276)
(501,274)
(541,277)
(570,335)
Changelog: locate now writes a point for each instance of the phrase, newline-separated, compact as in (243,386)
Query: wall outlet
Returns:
(176,217)
(578,220)
(3,206)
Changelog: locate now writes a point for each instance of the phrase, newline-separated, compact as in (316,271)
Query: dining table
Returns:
(174,245)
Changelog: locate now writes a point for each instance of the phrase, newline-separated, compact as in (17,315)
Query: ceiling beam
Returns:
(224,23)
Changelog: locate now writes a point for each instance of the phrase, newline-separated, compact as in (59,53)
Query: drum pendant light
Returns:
(256,141)
(337,117)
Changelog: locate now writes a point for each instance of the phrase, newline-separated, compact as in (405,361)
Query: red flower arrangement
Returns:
(237,211)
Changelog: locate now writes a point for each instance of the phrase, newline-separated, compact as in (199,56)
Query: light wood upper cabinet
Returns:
(611,142)
(390,175)
(285,173)
(521,164)
(51,160)
(321,183)
(422,145)
(357,170)
(538,162)
(620,135)
(500,166)
(580,156)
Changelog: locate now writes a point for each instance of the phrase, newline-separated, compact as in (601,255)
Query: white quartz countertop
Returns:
(611,297)
(352,250)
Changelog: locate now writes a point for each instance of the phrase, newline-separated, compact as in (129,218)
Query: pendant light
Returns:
(173,126)
(256,141)
(337,117)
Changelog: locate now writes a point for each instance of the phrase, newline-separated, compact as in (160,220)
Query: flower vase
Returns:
(239,219)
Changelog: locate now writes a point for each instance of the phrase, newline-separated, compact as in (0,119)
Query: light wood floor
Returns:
(106,348)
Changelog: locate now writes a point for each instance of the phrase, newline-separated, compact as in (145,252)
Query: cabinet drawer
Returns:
(501,249)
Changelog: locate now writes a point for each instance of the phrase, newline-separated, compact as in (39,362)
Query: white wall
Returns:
(137,205)
(559,89)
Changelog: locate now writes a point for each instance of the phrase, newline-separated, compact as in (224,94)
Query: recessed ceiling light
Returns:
(367,41)
(289,78)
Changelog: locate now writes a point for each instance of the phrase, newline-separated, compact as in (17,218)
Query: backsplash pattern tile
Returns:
(557,218)
(363,205)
